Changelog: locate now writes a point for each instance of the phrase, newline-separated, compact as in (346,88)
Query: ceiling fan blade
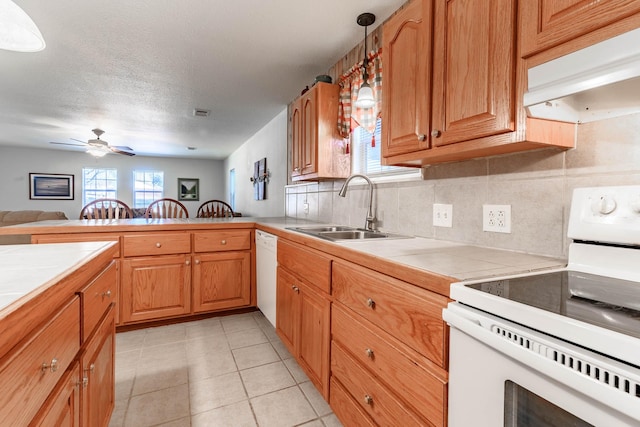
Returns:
(117,151)
(122,147)
(66,143)
(83,142)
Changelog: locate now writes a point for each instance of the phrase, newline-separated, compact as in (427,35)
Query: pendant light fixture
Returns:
(365,93)
(18,32)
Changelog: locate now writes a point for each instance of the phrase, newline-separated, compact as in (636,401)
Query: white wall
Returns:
(269,142)
(16,164)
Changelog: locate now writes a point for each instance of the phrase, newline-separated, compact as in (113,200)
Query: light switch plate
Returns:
(442,215)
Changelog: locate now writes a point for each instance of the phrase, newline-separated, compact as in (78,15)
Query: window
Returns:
(99,183)
(147,187)
(232,188)
(366,157)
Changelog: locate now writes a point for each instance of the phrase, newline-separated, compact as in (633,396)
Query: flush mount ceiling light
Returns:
(18,32)
(365,94)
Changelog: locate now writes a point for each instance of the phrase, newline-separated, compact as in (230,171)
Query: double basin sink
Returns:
(337,233)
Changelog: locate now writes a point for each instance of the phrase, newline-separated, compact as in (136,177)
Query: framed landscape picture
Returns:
(188,189)
(50,186)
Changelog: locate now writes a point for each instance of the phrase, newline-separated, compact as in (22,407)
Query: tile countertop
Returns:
(29,269)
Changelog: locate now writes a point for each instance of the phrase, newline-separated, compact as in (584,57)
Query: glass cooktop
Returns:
(602,301)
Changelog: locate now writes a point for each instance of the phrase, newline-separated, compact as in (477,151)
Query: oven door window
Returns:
(523,408)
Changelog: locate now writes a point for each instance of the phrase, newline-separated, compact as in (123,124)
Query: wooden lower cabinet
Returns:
(303,324)
(221,280)
(62,409)
(98,374)
(155,287)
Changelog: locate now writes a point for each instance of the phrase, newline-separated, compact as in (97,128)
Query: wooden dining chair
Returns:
(215,209)
(166,208)
(106,209)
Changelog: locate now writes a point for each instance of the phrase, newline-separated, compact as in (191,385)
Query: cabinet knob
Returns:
(53,366)
(369,353)
(368,399)
(295,289)
(296,169)
(187,262)
(91,368)
(85,382)
(106,294)
(158,245)
(197,261)
(371,303)
(223,242)
(422,137)
(436,133)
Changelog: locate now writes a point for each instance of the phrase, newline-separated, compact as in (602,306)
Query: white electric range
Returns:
(560,347)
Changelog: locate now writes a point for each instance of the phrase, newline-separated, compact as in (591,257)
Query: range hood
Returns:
(597,82)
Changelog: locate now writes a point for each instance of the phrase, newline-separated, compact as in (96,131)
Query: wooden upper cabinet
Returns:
(548,23)
(317,150)
(474,70)
(406,106)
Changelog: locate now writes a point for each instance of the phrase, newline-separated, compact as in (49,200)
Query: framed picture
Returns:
(50,186)
(188,189)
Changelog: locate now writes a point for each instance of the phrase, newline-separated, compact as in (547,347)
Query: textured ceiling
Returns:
(137,69)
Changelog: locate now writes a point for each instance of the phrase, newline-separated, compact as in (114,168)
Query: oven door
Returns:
(502,374)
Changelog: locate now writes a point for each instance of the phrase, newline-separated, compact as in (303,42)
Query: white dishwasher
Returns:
(266,263)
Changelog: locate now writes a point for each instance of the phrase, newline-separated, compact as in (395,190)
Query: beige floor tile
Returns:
(119,411)
(158,407)
(158,379)
(165,335)
(159,355)
(282,408)
(132,340)
(267,378)
(236,415)
(271,333)
(331,421)
(216,392)
(128,359)
(314,423)
(239,322)
(204,328)
(246,338)
(211,365)
(281,349)
(182,422)
(296,371)
(124,382)
(201,346)
(255,355)
(314,397)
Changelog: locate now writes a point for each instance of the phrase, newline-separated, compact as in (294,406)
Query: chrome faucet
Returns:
(370,221)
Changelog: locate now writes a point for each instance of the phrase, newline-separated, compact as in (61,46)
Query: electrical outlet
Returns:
(442,215)
(496,218)
(499,288)
(305,206)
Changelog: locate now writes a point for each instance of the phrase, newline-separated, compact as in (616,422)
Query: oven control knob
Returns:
(603,205)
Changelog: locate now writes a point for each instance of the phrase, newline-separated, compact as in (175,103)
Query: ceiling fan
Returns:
(98,147)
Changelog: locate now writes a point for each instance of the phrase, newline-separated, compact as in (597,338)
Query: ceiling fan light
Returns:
(18,32)
(365,97)
(96,152)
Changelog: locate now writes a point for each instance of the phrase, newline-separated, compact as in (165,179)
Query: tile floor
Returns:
(222,371)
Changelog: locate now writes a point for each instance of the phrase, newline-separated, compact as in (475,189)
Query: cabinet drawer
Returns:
(214,241)
(28,375)
(78,237)
(404,372)
(156,244)
(347,410)
(381,405)
(96,297)
(412,314)
(311,266)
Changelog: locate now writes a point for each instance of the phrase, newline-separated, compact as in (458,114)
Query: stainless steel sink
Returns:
(342,233)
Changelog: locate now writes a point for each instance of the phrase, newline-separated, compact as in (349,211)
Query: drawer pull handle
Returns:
(436,133)
(369,353)
(371,303)
(187,262)
(106,294)
(197,261)
(91,368)
(223,242)
(158,245)
(368,399)
(295,289)
(53,366)
(422,137)
(85,382)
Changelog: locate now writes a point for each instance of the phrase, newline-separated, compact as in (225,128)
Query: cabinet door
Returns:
(547,23)
(407,86)
(296,138)
(314,338)
(98,370)
(287,309)
(221,280)
(474,70)
(155,287)
(309,150)
(62,409)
